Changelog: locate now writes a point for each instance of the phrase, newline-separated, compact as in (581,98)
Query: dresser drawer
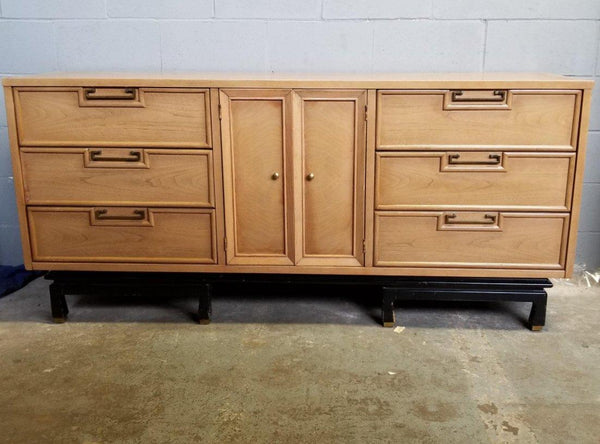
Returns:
(432,180)
(79,176)
(129,117)
(470,239)
(477,119)
(111,234)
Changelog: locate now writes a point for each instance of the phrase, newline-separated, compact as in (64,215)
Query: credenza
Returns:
(429,175)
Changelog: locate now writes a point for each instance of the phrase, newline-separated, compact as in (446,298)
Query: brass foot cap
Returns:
(537,327)
(388,324)
(59,320)
(203,321)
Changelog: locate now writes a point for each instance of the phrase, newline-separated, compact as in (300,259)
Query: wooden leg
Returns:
(58,303)
(388,317)
(537,316)
(205,305)
(63,301)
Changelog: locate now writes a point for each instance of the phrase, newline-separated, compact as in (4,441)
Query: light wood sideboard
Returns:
(465,175)
(429,186)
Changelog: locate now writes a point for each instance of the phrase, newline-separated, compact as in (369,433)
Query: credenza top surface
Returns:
(303,80)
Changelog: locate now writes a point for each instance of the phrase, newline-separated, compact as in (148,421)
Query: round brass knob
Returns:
(275,176)
(311,176)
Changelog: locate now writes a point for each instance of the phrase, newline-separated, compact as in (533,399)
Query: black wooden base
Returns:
(100,282)
(393,289)
(475,289)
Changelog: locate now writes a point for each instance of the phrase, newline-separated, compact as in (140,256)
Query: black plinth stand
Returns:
(100,282)
(475,289)
(392,289)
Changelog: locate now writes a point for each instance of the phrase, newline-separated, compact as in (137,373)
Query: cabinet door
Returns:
(329,167)
(256,140)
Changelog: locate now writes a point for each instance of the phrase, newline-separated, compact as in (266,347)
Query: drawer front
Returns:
(432,119)
(79,176)
(113,117)
(433,180)
(470,239)
(111,234)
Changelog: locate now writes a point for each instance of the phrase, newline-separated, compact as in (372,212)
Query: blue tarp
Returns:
(13,278)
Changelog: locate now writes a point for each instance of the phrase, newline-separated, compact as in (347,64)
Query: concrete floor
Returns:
(308,365)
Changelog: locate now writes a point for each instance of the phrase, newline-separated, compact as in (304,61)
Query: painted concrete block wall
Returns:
(560,36)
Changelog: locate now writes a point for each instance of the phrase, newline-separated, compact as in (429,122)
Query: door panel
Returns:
(256,142)
(330,176)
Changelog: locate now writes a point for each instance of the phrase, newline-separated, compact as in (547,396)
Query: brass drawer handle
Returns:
(275,176)
(490,219)
(96,156)
(499,96)
(310,177)
(495,159)
(91,94)
(102,215)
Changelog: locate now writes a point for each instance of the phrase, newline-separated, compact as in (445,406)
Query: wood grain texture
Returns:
(168,235)
(66,176)
(330,175)
(523,240)
(578,181)
(424,180)
(300,226)
(473,80)
(256,143)
(18,177)
(370,177)
(218,176)
(537,120)
(173,117)
(294,269)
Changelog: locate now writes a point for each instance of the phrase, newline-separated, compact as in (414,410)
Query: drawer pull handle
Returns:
(96,156)
(275,176)
(102,215)
(490,219)
(91,94)
(498,96)
(495,159)
(310,177)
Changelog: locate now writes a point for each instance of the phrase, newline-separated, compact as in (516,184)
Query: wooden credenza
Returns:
(399,175)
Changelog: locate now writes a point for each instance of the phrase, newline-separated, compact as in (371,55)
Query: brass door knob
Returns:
(311,176)
(275,176)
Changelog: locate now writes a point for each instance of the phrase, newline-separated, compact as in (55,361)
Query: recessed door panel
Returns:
(255,158)
(331,176)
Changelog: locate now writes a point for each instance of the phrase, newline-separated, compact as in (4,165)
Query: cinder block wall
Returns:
(560,36)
